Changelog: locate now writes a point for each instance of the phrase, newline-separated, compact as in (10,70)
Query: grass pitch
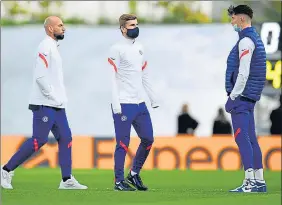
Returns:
(39,186)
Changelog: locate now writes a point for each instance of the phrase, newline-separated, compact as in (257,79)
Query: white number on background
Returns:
(270,33)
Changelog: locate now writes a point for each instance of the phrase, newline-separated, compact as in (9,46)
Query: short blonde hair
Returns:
(126,17)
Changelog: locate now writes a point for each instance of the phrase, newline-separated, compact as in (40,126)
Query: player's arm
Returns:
(246,49)
(114,61)
(194,124)
(147,83)
(41,73)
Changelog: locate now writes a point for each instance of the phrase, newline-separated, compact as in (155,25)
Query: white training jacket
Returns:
(48,84)
(129,74)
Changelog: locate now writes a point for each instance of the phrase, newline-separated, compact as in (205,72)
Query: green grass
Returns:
(39,187)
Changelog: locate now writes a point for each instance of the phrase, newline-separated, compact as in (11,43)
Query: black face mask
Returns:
(133,33)
(59,36)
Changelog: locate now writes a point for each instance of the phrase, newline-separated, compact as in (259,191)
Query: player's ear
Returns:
(123,29)
(50,28)
(242,18)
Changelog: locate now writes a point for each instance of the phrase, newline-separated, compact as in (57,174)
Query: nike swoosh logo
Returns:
(260,186)
(112,59)
(70,185)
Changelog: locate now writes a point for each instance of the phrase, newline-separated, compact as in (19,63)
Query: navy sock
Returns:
(6,169)
(66,178)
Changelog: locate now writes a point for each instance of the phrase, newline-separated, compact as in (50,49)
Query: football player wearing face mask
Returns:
(244,82)
(130,75)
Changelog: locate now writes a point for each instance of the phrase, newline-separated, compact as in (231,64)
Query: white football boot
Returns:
(71,183)
(6,179)
(248,186)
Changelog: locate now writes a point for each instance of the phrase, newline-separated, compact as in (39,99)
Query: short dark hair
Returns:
(126,17)
(241,9)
